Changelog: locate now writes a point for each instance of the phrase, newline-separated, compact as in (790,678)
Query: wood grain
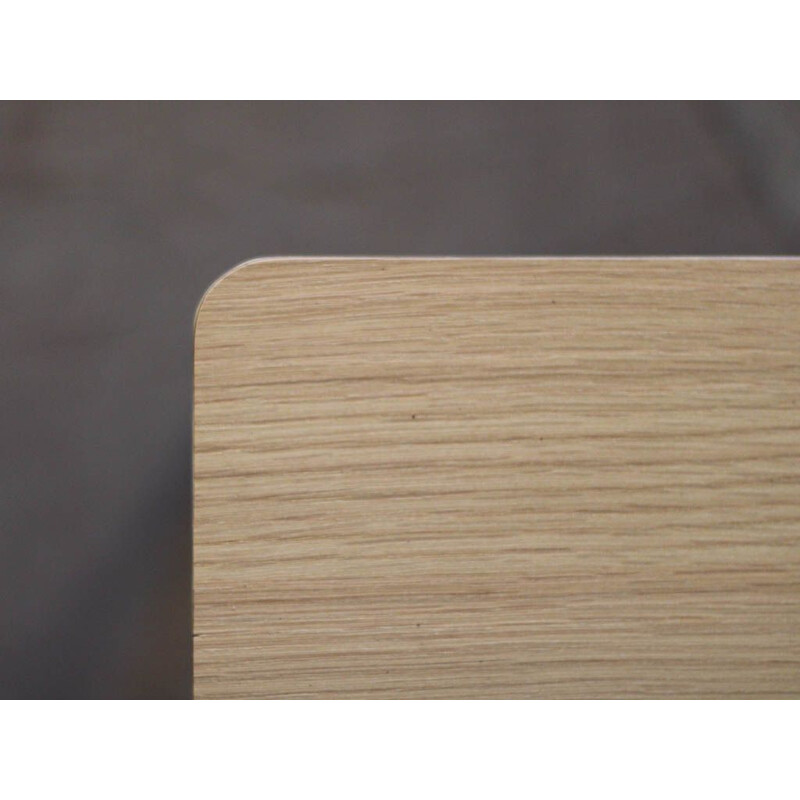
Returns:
(515,478)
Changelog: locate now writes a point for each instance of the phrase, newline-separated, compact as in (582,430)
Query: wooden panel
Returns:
(498,478)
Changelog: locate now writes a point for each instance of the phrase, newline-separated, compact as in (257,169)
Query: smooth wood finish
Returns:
(498,478)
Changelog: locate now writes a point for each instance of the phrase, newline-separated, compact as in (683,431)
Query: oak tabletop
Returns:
(498,478)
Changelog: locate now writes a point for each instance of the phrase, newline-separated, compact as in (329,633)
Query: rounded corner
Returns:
(212,288)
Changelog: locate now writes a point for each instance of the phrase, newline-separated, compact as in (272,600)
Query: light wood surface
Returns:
(498,478)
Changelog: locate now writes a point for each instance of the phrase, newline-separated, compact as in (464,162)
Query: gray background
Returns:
(115,217)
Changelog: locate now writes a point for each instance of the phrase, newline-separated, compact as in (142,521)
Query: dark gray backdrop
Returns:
(114,218)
